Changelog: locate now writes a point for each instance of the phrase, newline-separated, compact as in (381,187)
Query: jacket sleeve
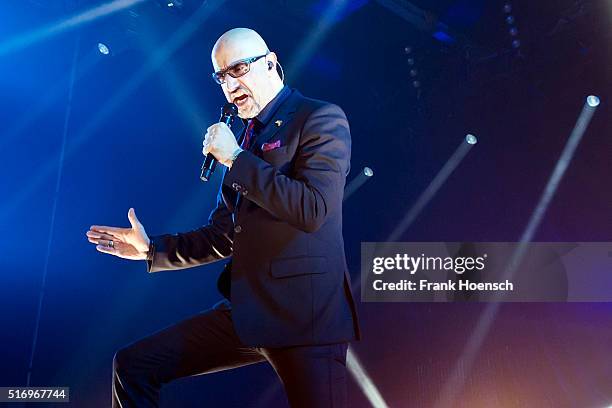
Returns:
(316,186)
(207,244)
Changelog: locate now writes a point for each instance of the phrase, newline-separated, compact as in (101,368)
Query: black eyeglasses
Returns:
(235,70)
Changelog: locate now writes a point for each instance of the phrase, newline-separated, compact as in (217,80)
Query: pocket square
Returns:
(266,147)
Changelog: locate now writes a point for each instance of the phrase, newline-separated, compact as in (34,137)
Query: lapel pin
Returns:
(278,123)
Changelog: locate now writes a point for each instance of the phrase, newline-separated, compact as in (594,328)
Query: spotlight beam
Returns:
(58,183)
(433,187)
(364,381)
(158,58)
(464,364)
(188,104)
(25,39)
(578,132)
(56,91)
(428,194)
(105,111)
(190,109)
(359,180)
(307,48)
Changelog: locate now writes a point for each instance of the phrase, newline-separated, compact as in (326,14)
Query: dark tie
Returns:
(248,135)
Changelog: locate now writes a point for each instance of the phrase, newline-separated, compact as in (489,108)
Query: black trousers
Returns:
(312,376)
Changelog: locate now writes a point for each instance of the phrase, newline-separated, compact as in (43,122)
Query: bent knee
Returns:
(125,359)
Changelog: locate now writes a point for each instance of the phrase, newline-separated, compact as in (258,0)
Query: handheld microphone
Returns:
(228,112)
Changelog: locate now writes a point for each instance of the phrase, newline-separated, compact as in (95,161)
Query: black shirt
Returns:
(270,109)
(262,119)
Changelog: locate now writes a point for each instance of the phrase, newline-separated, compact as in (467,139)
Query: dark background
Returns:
(133,138)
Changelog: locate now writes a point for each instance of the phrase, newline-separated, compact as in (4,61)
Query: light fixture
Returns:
(103,48)
(593,101)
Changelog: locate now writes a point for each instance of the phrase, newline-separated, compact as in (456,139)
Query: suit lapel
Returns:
(279,121)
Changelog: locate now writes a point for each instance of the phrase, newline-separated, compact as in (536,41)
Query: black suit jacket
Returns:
(279,216)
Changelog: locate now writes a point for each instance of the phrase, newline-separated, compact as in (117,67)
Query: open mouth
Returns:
(240,100)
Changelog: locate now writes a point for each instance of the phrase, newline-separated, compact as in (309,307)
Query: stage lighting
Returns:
(359,180)
(120,33)
(103,48)
(471,139)
(593,101)
(174,5)
(413,72)
(444,37)
(513,31)
(364,381)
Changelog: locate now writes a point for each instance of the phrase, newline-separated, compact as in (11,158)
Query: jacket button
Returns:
(237,229)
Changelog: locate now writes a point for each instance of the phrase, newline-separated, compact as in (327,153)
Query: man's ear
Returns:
(272,60)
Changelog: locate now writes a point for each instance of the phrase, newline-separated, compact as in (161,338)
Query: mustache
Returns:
(240,91)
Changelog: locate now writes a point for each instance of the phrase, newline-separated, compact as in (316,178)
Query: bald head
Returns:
(237,43)
(254,88)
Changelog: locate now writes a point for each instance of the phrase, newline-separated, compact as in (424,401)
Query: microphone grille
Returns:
(229,109)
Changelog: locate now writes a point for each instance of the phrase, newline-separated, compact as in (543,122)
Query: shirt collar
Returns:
(270,109)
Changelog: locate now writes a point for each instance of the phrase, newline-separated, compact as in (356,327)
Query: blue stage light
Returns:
(593,101)
(103,48)
(471,139)
(444,37)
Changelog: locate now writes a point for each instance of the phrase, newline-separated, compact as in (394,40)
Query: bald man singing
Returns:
(278,220)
